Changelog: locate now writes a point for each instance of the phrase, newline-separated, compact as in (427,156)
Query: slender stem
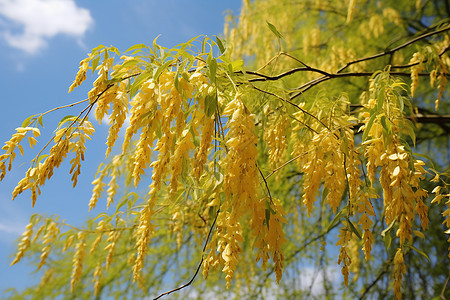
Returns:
(64,106)
(387,52)
(265,182)
(199,265)
(288,162)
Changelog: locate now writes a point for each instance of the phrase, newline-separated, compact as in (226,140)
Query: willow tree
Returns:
(299,141)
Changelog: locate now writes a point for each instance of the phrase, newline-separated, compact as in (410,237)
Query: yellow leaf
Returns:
(419,234)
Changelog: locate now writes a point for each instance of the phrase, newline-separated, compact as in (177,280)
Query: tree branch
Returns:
(199,265)
(387,52)
(327,76)
(380,275)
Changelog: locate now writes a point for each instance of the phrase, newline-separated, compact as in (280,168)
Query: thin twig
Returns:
(89,107)
(442,296)
(306,86)
(372,284)
(302,247)
(199,265)
(265,182)
(263,77)
(296,106)
(286,163)
(64,106)
(387,52)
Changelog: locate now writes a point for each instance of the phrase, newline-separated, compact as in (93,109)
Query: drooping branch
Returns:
(199,265)
(327,76)
(386,268)
(387,52)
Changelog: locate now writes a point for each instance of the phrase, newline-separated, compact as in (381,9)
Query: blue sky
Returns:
(41,45)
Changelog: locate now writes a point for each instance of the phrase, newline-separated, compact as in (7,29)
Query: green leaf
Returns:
(185,76)
(384,124)
(426,157)
(27,121)
(354,229)
(337,218)
(129,64)
(161,69)
(66,119)
(368,126)
(41,157)
(210,105)
(380,100)
(325,192)
(94,63)
(183,46)
(344,144)
(237,65)
(137,47)
(129,197)
(267,217)
(388,228)
(387,240)
(176,80)
(213,69)
(419,251)
(138,81)
(96,49)
(115,50)
(40,121)
(220,45)
(101,215)
(401,101)
(274,30)
(155,45)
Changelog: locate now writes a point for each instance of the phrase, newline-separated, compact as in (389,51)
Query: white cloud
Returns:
(12,220)
(39,20)
(12,227)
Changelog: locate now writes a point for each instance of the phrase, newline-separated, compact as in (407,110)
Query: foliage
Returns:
(323,144)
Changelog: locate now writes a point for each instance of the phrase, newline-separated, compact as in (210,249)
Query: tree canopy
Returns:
(311,137)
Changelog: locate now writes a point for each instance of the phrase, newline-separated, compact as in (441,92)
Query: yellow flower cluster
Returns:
(118,114)
(400,173)
(24,244)
(52,232)
(97,278)
(417,58)
(98,189)
(11,145)
(323,161)
(143,235)
(241,197)
(240,169)
(78,259)
(66,140)
(275,137)
(112,184)
(270,236)
(157,111)
(99,94)
(100,229)
(399,270)
(81,74)
(113,236)
(201,152)
(345,236)
(438,61)
(228,246)
(184,145)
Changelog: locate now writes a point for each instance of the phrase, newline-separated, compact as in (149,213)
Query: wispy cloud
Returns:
(12,222)
(28,24)
(12,227)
